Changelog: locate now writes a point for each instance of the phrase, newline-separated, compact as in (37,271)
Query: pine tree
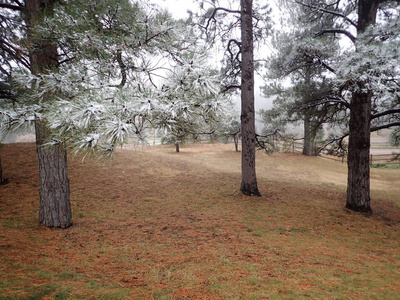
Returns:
(55,207)
(225,24)
(306,63)
(365,76)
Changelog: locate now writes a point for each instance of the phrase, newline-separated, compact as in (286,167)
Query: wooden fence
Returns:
(374,159)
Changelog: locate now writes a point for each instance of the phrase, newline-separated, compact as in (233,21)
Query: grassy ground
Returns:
(154,224)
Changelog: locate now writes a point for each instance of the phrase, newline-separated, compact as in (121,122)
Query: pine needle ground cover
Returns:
(154,224)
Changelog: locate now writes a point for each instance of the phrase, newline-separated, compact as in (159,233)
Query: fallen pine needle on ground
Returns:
(155,224)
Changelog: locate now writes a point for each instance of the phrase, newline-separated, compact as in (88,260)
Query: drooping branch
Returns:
(18,2)
(263,141)
(325,100)
(11,6)
(14,52)
(231,87)
(276,131)
(332,12)
(385,126)
(329,68)
(338,140)
(341,31)
(385,113)
(212,17)
(4,71)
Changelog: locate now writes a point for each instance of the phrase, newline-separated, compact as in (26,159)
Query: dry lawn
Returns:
(154,224)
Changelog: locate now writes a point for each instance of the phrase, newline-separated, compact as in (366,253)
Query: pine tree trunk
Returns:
(308,137)
(236,141)
(177,147)
(249,181)
(307,143)
(55,208)
(2,180)
(358,181)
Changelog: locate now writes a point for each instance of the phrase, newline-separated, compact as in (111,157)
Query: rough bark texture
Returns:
(176,146)
(249,182)
(358,181)
(307,144)
(309,137)
(55,208)
(1,172)
(2,179)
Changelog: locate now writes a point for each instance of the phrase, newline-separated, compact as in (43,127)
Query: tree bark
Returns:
(55,208)
(177,147)
(307,143)
(2,179)
(308,136)
(236,141)
(249,181)
(358,180)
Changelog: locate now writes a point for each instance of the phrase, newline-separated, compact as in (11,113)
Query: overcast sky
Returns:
(178,8)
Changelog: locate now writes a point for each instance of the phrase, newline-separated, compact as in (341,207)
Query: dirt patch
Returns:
(155,224)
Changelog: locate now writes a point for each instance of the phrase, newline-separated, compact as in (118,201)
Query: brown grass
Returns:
(154,224)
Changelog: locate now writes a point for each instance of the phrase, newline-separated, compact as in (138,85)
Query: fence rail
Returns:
(374,159)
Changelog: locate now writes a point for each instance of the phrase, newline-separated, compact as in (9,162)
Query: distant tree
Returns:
(395,137)
(234,131)
(191,103)
(305,61)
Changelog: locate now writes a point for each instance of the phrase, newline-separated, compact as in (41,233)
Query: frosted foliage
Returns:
(370,65)
(93,122)
(16,119)
(191,101)
(375,66)
(376,61)
(125,72)
(92,117)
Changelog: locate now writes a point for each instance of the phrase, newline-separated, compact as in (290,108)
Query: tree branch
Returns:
(212,17)
(341,31)
(389,125)
(339,140)
(332,12)
(122,66)
(326,66)
(230,87)
(385,113)
(323,101)
(14,52)
(13,7)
